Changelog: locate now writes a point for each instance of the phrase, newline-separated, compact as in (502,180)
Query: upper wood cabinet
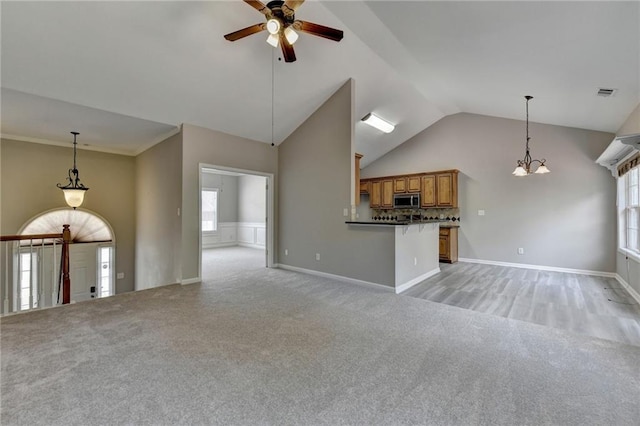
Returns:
(387,194)
(428,191)
(364,186)
(375,194)
(399,185)
(413,184)
(447,189)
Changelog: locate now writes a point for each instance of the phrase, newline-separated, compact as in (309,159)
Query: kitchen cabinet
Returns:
(357,178)
(428,191)
(387,194)
(364,186)
(399,185)
(447,189)
(439,190)
(413,183)
(375,196)
(448,247)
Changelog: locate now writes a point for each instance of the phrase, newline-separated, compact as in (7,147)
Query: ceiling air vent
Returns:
(605,92)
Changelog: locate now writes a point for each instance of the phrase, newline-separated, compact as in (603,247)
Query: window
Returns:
(209,210)
(629,211)
(104,271)
(27,282)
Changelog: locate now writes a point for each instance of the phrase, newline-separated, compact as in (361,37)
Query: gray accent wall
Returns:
(29,173)
(315,173)
(564,219)
(252,198)
(158,198)
(210,147)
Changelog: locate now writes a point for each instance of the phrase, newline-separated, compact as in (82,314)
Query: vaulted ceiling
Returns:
(127,74)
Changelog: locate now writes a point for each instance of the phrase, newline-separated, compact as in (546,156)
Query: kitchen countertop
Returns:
(443,224)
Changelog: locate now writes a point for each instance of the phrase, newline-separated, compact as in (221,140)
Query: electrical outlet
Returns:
(345,212)
(480,212)
(286,252)
(520,250)
(317,256)
(120,275)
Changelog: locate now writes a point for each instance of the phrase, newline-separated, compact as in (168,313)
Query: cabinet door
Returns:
(364,186)
(413,184)
(447,191)
(428,191)
(399,185)
(387,194)
(444,247)
(375,194)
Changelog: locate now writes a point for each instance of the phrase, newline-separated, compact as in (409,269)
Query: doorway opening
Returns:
(236,232)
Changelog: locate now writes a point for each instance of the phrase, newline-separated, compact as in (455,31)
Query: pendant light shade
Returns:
(74,190)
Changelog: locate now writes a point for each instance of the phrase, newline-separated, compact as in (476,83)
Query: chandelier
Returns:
(74,190)
(524,166)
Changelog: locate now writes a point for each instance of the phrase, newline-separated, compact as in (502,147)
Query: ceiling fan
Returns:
(282,26)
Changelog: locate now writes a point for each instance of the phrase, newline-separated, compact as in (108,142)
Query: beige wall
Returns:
(632,125)
(562,219)
(158,225)
(204,146)
(316,168)
(29,175)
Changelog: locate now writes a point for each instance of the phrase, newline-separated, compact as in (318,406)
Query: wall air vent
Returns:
(606,92)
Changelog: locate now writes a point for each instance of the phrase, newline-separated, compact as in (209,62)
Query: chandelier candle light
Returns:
(524,166)
(74,190)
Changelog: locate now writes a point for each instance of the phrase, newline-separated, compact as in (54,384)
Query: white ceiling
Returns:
(126,74)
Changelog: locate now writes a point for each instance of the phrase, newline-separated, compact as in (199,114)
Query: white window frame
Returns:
(628,188)
(112,286)
(217,213)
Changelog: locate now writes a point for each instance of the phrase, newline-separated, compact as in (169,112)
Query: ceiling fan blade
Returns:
(287,49)
(259,6)
(236,35)
(318,30)
(290,6)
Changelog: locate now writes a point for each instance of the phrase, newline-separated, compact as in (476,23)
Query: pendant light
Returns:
(524,166)
(74,190)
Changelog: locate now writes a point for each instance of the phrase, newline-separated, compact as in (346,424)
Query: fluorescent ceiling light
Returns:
(377,122)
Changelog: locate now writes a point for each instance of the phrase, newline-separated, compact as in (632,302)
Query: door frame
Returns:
(270,209)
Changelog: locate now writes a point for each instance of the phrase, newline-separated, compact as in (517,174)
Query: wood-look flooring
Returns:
(582,304)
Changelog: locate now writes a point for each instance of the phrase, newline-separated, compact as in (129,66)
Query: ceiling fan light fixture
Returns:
(374,121)
(273,40)
(273,26)
(290,35)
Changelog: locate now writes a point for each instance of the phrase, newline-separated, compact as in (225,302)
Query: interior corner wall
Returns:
(316,166)
(158,224)
(205,146)
(29,173)
(632,125)
(563,219)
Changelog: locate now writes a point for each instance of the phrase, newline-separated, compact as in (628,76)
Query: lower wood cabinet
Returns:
(449,245)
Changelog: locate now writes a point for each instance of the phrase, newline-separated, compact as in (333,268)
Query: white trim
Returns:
(630,290)
(417,280)
(190,281)
(255,246)
(333,276)
(540,267)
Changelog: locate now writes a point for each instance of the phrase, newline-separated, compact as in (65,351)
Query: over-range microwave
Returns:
(406,201)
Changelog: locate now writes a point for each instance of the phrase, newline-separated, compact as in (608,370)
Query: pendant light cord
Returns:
(272,96)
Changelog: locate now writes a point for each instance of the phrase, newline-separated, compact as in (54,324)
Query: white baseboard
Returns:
(630,290)
(406,286)
(191,281)
(256,246)
(540,267)
(334,277)
(218,245)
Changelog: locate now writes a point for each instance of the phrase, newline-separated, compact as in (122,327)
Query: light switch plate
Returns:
(480,212)
(120,275)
